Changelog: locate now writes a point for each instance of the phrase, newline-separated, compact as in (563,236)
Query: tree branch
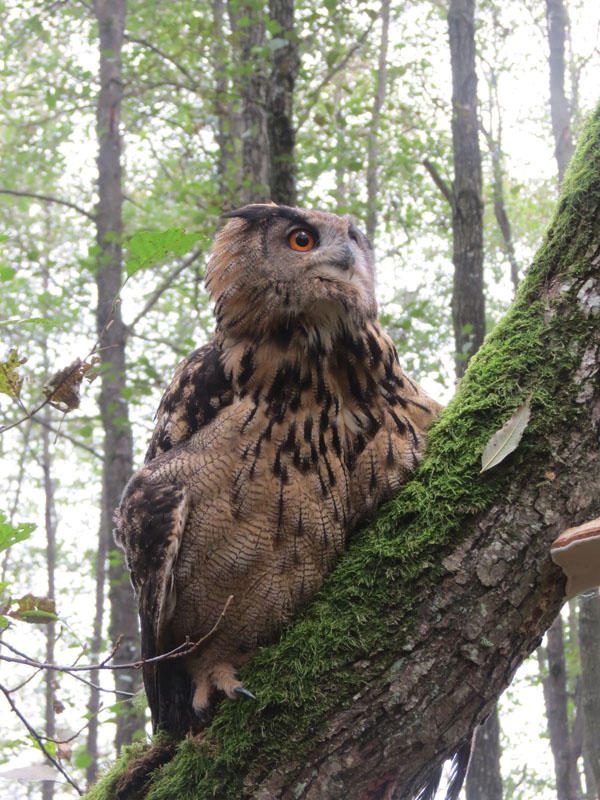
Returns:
(330,74)
(49,199)
(439,182)
(38,739)
(160,290)
(165,56)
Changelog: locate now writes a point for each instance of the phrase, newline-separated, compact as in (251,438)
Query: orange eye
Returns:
(301,240)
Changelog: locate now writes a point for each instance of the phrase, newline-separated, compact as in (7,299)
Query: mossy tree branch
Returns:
(426,618)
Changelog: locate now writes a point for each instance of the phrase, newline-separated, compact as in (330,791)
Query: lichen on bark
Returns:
(435,604)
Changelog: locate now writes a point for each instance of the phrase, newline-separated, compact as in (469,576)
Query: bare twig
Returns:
(66,436)
(354,48)
(184,649)
(36,736)
(153,48)
(50,199)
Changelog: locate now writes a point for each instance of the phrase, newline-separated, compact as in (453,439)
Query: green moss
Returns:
(105,788)
(368,599)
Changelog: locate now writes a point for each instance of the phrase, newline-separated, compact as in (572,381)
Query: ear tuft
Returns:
(255,212)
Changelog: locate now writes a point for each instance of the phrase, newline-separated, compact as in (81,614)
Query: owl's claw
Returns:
(202,715)
(243,692)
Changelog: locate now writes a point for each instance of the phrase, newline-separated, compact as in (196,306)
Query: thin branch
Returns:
(66,436)
(36,736)
(439,182)
(160,290)
(50,199)
(163,55)
(184,649)
(332,72)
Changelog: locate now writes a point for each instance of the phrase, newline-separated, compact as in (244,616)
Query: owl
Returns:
(272,443)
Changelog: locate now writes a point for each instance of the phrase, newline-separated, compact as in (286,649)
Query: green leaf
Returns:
(82,758)
(150,247)
(11,534)
(277,44)
(507,439)
(7,273)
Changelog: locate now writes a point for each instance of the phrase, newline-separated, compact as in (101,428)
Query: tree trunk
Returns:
(556,17)
(484,780)
(227,133)
(50,524)
(118,444)
(251,79)
(556,700)
(91,772)
(425,619)
(280,100)
(468,304)
(589,642)
(372,152)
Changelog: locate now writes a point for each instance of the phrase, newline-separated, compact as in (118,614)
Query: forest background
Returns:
(197,108)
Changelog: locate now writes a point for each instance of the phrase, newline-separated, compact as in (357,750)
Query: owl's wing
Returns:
(198,391)
(150,523)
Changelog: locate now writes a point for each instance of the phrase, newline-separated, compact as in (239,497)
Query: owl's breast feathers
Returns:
(264,457)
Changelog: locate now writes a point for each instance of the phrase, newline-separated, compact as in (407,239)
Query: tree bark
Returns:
(589,641)
(556,17)
(425,619)
(112,334)
(280,101)
(468,304)
(372,151)
(556,699)
(484,779)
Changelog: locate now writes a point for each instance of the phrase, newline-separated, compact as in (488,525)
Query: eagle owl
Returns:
(272,442)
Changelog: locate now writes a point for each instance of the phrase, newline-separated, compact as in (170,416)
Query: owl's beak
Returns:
(346,259)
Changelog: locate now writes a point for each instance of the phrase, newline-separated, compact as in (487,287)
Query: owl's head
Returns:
(274,266)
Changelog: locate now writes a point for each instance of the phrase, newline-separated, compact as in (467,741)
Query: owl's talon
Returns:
(201,715)
(243,692)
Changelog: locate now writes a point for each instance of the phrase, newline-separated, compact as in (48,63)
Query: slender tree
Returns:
(247,20)
(378,101)
(112,334)
(285,63)
(556,16)
(468,305)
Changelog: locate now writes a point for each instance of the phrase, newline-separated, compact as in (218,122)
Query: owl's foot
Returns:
(243,692)
(225,679)
(201,700)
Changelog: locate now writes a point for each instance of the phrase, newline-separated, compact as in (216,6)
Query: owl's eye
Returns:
(301,240)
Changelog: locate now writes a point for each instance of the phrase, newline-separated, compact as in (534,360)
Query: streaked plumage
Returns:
(272,442)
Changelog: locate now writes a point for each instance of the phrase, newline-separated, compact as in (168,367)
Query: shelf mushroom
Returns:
(577,553)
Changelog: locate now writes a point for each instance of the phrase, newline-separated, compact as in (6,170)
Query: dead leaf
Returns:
(507,439)
(63,388)
(64,750)
(10,380)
